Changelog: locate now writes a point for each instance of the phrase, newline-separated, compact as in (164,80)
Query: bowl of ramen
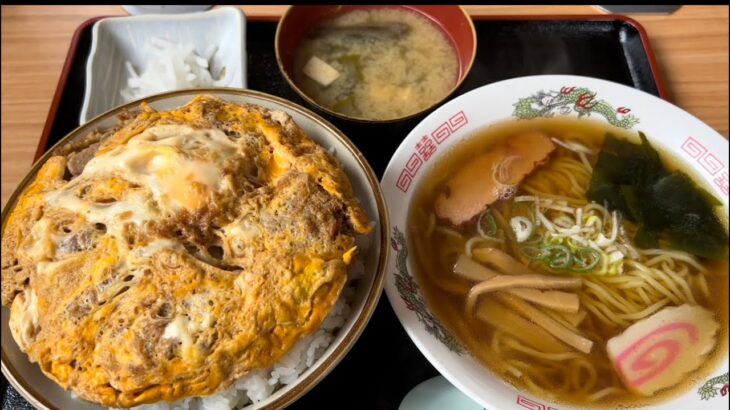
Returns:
(202,249)
(561,242)
(375,63)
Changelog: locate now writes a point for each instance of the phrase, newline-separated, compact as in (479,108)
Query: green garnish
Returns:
(562,258)
(586,260)
(631,178)
(558,257)
(486,225)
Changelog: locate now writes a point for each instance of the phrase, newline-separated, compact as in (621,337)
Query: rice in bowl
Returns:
(258,386)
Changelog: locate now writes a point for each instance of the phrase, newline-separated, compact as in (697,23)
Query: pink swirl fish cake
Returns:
(657,352)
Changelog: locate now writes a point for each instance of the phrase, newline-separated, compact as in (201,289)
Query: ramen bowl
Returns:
(43,393)
(700,149)
(298,21)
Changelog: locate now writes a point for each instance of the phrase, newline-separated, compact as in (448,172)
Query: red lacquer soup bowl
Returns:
(298,21)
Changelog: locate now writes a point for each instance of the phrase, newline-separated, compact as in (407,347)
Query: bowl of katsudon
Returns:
(203,249)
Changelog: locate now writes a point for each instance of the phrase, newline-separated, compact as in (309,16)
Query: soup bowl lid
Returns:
(669,128)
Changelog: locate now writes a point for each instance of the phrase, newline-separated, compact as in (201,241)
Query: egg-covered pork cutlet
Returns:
(188,248)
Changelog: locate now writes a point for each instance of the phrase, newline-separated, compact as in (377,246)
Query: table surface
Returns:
(691,48)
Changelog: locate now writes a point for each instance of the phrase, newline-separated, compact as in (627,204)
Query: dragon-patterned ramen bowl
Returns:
(670,129)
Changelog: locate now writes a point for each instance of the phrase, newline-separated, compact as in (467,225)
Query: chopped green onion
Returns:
(586,260)
(558,256)
(491,228)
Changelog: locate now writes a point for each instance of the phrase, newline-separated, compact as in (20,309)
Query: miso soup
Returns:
(376,64)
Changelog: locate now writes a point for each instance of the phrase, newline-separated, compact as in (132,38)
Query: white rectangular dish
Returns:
(120,39)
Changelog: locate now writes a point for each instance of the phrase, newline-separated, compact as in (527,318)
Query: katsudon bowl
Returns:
(361,293)
(491,351)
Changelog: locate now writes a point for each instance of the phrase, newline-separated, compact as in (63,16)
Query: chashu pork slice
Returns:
(489,176)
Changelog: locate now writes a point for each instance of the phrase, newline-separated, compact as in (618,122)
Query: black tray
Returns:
(384,364)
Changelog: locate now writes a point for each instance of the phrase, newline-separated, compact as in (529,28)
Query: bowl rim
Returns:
(91,60)
(321,107)
(411,325)
(38,400)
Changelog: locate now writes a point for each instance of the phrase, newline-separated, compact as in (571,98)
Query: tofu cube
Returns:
(321,72)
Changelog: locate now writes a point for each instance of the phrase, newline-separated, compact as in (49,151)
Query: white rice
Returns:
(260,384)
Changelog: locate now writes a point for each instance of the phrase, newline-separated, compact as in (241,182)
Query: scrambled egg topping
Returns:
(195,246)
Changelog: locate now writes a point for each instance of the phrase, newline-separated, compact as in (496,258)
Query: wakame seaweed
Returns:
(632,179)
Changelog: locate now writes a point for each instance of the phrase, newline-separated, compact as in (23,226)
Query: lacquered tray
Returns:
(384,364)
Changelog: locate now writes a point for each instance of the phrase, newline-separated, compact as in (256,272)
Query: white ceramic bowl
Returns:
(44,394)
(667,126)
(136,10)
(118,39)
